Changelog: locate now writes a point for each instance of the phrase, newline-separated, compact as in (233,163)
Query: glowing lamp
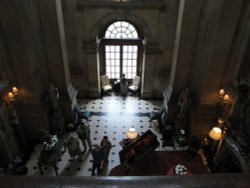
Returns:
(221,92)
(132,134)
(215,133)
(221,121)
(10,96)
(15,90)
(226,98)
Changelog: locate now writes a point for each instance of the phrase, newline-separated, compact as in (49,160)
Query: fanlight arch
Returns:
(121,30)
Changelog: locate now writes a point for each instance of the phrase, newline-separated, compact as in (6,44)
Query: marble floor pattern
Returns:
(112,116)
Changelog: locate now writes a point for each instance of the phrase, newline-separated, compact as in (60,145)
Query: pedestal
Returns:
(57,123)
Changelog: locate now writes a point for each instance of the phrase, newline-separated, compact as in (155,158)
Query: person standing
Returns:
(106,146)
(98,157)
(72,144)
(83,132)
(123,85)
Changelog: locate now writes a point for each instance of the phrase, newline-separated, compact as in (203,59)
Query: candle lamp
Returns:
(11,97)
(221,93)
(15,91)
(226,98)
(221,121)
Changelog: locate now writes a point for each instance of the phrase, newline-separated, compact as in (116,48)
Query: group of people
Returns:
(100,153)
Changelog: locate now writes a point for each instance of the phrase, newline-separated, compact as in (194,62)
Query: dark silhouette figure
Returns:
(106,146)
(98,156)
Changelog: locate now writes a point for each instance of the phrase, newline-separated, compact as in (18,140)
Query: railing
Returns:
(205,181)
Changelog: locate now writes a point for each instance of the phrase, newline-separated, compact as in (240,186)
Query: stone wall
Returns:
(85,22)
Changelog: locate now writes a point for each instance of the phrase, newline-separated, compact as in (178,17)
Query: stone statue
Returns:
(56,118)
(184,102)
(239,120)
(236,118)
(53,96)
(14,116)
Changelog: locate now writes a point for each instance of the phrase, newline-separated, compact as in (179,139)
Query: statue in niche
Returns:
(18,129)
(53,96)
(239,120)
(237,116)
(244,129)
(56,118)
(185,103)
(14,116)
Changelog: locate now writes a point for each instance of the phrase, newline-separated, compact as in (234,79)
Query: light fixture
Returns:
(226,99)
(221,121)
(221,93)
(215,133)
(15,91)
(10,97)
(132,134)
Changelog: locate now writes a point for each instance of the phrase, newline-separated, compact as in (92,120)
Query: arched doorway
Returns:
(121,49)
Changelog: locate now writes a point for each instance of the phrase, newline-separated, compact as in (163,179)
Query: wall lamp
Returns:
(12,94)
(15,91)
(224,97)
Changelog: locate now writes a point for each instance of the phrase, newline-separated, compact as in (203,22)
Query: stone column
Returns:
(204,35)
(91,51)
(217,28)
(148,65)
(238,63)
(25,62)
(185,39)
(54,35)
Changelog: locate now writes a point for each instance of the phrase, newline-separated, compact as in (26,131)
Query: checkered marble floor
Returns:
(111,116)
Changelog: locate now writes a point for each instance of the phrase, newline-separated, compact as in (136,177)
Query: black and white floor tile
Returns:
(111,116)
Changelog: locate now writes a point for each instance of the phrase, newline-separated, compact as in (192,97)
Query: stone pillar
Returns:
(185,39)
(73,19)
(238,63)
(148,66)
(204,35)
(220,47)
(25,62)
(55,40)
(90,49)
(217,30)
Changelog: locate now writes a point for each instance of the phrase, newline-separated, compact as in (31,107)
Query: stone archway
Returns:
(143,29)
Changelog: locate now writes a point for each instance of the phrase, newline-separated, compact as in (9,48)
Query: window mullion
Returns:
(121,60)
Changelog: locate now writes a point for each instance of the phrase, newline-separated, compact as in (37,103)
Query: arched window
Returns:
(121,50)
(121,30)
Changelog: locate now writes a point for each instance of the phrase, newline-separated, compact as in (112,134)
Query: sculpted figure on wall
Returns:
(56,118)
(185,102)
(53,96)
(237,116)
(239,120)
